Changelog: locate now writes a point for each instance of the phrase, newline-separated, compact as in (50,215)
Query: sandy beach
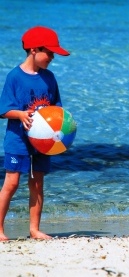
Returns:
(73,256)
(101,249)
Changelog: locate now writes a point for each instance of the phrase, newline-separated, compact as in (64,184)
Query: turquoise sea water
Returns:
(92,178)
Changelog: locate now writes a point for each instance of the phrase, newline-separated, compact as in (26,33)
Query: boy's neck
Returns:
(28,67)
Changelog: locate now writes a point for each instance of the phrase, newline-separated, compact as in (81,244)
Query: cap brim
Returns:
(58,50)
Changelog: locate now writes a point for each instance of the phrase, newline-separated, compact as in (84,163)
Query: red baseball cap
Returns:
(42,36)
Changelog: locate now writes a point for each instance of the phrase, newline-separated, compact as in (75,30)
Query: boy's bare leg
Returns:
(9,187)
(36,205)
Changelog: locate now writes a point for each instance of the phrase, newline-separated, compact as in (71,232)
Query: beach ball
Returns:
(53,130)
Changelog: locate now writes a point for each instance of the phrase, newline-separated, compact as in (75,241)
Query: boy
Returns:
(27,87)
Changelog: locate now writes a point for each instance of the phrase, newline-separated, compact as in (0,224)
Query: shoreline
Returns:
(62,227)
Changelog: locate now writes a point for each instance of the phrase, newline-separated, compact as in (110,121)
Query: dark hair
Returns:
(28,50)
(41,48)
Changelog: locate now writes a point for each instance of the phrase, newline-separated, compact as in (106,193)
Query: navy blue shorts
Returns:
(22,164)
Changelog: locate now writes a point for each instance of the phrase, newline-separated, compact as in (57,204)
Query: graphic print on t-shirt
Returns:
(39,103)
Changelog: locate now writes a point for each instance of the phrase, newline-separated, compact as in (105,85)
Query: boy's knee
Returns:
(13,186)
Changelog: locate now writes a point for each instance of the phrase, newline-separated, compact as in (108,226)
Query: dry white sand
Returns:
(65,257)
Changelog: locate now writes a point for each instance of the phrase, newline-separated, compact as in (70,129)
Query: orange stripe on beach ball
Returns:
(53,116)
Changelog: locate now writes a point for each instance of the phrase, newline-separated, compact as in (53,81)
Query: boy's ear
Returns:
(33,51)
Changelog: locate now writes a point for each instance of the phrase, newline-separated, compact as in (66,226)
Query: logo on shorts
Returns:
(14,160)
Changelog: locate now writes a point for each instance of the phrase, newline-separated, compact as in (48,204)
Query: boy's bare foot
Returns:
(39,235)
(3,237)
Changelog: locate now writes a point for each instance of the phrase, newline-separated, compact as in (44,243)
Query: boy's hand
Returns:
(26,118)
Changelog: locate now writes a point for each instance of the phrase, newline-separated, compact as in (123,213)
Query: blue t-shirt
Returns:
(24,91)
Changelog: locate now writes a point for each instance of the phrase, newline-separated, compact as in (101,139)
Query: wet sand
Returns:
(108,226)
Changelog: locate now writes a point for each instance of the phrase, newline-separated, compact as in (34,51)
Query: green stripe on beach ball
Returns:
(69,124)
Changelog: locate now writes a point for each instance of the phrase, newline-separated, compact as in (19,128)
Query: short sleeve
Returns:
(8,100)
